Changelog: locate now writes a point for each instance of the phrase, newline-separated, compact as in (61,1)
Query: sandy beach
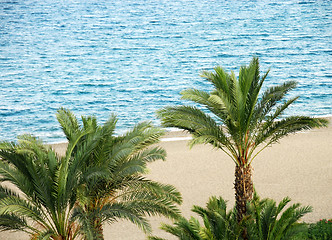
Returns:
(300,167)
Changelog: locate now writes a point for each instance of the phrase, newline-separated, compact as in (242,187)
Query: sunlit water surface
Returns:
(134,57)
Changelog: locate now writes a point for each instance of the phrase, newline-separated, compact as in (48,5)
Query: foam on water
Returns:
(134,57)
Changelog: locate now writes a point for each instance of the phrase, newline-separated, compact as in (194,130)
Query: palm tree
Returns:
(270,221)
(120,191)
(266,221)
(244,120)
(218,223)
(43,196)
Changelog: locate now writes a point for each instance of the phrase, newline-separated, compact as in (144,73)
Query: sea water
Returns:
(132,57)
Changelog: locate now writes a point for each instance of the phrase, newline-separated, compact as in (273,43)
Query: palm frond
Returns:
(116,211)
(155,238)
(13,222)
(274,221)
(286,126)
(184,229)
(203,128)
(147,204)
(68,122)
(21,207)
(270,98)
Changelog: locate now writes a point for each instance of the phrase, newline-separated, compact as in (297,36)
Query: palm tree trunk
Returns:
(243,193)
(98,228)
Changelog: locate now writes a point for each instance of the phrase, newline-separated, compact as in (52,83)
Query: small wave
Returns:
(13,112)
(305,2)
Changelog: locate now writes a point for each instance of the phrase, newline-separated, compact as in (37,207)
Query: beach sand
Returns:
(300,167)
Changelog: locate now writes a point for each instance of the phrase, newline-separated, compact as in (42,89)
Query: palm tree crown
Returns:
(44,195)
(119,191)
(243,118)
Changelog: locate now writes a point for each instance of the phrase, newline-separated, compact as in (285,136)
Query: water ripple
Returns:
(132,58)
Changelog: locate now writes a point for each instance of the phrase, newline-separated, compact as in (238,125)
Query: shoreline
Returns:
(173,135)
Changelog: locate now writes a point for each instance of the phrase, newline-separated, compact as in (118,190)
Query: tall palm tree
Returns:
(121,191)
(244,122)
(41,193)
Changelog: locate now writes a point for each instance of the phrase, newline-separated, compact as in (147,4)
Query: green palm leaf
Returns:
(276,222)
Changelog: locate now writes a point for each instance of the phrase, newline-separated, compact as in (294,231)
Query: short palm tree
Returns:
(266,221)
(41,193)
(120,191)
(244,122)
(270,221)
(218,223)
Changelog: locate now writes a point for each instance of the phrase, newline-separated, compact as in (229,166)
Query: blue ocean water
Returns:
(134,57)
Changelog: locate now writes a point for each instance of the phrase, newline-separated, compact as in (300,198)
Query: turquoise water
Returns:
(134,57)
